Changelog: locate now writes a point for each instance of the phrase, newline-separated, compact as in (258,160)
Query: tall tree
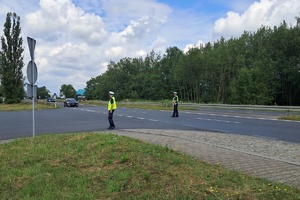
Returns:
(11,62)
(68,91)
(1,90)
(42,92)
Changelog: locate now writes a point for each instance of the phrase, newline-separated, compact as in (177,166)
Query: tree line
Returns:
(261,67)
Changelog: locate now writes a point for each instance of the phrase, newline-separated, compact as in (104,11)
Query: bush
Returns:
(12,101)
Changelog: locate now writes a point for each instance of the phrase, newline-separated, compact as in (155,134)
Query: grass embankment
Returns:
(295,118)
(161,105)
(106,166)
(26,106)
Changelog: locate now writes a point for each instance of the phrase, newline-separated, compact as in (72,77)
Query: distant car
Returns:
(51,100)
(70,102)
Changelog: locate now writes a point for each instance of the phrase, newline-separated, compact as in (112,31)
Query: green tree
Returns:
(1,87)
(173,73)
(12,60)
(1,90)
(257,68)
(42,92)
(248,88)
(68,91)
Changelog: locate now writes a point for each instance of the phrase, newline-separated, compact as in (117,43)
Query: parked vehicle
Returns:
(50,99)
(70,102)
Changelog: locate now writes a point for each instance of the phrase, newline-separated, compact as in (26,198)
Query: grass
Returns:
(290,117)
(26,106)
(107,166)
(162,105)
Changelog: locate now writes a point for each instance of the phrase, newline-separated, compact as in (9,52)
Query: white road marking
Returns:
(236,116)
(217,120)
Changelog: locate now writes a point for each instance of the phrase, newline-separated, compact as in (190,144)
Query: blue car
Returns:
(70,102)
(50,99)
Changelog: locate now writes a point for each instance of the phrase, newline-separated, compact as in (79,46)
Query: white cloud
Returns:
(119,12)
(75,42)
(61,17)
(140,53)
(115,52)
(190,46)
(265,12)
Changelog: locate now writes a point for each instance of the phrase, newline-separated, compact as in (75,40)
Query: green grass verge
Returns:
(107,166)
(26,106)
(162,105)
(295,118)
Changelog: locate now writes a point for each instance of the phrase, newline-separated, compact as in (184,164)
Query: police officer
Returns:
(175,105)
(112,106)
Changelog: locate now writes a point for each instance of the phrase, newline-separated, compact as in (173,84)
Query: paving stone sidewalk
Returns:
(251,155)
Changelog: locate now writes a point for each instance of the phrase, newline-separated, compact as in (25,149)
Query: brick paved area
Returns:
(255,165)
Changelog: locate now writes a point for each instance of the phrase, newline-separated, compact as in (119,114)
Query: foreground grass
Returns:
(25,106)
(106,166)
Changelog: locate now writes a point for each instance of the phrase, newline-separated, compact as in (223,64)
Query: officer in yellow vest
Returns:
(112,106)
(175,105)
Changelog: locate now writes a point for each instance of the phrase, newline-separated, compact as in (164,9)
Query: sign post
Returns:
(32,77)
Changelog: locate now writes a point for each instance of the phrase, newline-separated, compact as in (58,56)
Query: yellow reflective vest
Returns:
(113,105)
(175,99)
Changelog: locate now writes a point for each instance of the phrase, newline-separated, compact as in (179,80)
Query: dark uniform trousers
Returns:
(175,110)
(110,118)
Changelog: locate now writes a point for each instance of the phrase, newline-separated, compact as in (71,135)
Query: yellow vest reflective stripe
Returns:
(175,99)
(114,104)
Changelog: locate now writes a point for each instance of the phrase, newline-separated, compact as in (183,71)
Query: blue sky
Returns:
(76,39)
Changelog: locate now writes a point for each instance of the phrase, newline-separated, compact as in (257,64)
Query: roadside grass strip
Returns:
(107,166)
(26,106)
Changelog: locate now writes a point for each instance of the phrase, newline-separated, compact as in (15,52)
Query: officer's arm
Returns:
(111,104)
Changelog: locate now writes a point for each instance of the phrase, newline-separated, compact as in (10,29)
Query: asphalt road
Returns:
(87,118)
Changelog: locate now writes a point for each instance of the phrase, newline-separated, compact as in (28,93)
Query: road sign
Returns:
(31,90)
(31,44)
(32,72)
(32,77)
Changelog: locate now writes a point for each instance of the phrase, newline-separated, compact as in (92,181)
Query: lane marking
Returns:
(236,116)
(217,120)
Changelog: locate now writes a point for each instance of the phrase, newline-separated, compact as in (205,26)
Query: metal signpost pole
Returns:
(33,108)
(32,77)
